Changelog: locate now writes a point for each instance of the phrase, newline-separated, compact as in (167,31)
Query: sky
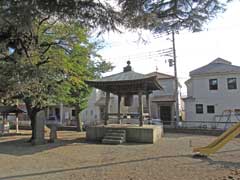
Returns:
(220,39)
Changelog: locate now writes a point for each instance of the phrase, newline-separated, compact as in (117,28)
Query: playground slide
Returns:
(218,143)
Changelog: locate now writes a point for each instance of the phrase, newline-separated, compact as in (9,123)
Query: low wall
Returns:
(208,132)
(134,133)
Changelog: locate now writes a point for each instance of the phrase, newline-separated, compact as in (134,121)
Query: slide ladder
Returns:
(218,143)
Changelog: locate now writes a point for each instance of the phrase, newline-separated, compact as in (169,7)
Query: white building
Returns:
(212,92)
(162,103)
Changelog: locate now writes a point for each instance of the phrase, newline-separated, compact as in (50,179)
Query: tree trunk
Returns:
(78,118)
(37,127)
(33,118)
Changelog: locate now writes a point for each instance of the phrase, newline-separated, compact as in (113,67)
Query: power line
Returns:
(167,52)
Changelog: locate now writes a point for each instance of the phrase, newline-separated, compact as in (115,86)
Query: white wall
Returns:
(168,88)
(222,99)
(92,112)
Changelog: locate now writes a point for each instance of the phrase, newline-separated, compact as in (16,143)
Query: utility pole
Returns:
(176,79)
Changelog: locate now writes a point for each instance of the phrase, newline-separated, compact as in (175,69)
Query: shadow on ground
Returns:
(223,164)
(20,147)
(91,167)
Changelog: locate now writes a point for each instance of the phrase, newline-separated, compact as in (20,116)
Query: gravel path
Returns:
(71,158)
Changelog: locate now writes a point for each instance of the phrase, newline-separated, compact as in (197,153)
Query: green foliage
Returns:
(53,67)
(20,20)
(90,14)
(165,15)
(157,15)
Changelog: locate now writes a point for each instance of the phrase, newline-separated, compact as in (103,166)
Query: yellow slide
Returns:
(218,143)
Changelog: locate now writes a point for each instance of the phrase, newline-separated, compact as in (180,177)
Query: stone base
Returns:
(38,141)
(134,133)
(53,132)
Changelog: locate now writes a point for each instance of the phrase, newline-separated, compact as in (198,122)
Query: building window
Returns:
(210,109)
(213,84)
(73,112)
(232,83)
(199,108)
(237,111)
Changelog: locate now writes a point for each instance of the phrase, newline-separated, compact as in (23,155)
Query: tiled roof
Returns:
(217,66)
(126,82)
(124,76)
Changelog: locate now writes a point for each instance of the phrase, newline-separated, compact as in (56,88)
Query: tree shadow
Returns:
(93,166)
(13,134)
(223,164)
(21,147)
(228,151)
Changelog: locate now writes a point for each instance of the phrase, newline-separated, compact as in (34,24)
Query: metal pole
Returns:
(176,79)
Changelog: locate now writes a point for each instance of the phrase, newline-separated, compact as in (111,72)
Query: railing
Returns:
(223,125)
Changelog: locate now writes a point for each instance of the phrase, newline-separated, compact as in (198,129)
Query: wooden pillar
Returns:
(148,106)
(140,99)
(106,108)
(16,123)
(119,109)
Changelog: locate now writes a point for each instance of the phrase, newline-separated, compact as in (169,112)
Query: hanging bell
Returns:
(128,100)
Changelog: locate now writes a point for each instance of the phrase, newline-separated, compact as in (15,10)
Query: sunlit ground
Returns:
(72,158)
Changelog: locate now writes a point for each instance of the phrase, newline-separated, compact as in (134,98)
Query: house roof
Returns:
(219,65)
(11,109)
(161,75)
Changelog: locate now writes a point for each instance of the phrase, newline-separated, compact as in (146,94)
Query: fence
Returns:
(222,125)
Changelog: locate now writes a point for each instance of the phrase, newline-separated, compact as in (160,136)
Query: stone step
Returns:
(115,134)
(116,130)
(112,141)
(114,137)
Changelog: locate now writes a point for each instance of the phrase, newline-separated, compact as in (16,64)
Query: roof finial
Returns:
(128,67)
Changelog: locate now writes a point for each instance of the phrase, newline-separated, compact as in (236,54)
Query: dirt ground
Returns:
(72,158)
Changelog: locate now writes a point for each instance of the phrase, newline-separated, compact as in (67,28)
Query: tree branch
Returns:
(44,19)
(43,62)
(48,45)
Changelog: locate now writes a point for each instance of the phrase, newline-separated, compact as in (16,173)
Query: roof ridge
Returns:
(160,74)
